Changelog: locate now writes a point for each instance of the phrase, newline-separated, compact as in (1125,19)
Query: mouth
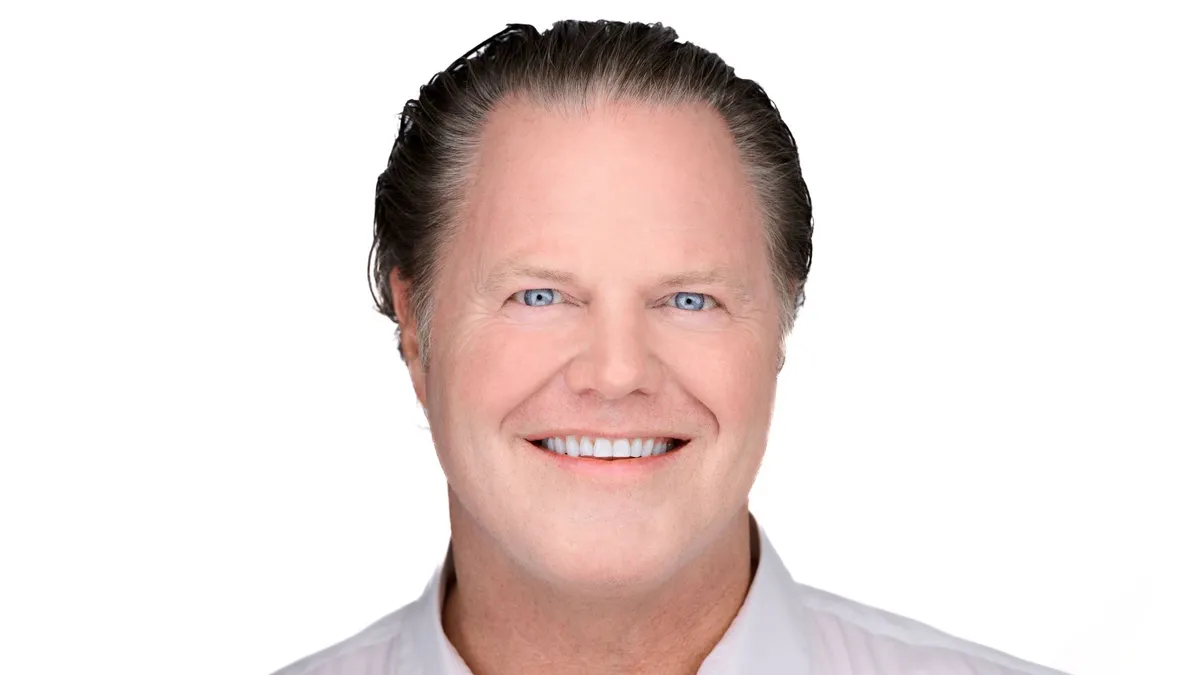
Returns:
(609,448)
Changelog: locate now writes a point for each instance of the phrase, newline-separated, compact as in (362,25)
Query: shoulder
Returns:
(844,636)
(378,648)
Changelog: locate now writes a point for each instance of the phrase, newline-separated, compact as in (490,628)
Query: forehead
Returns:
(610,173)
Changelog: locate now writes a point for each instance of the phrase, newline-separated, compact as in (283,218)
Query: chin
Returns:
(604,557)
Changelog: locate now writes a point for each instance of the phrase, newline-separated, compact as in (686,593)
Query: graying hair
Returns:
(423,188)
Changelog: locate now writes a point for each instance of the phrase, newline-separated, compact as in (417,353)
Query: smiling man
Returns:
(594,241)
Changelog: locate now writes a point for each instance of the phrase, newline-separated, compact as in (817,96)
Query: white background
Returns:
(212,458)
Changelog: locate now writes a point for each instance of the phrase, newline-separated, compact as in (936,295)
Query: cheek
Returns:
(491,367)
(735,381)
(733,372)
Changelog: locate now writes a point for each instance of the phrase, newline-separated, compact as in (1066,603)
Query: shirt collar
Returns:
(434,653)
(766,636)
(765,632)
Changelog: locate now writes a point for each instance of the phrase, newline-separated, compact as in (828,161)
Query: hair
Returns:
(420,194)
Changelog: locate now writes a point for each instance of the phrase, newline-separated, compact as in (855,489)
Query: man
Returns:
(594,241)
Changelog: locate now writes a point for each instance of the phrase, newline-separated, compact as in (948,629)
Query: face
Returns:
(609,278)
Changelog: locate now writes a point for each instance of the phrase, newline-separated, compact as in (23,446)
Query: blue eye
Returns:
(693,301)
(537,297)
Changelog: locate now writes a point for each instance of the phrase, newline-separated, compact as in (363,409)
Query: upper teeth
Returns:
(586,446)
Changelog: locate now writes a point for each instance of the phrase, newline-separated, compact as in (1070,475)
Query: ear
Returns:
(409,344)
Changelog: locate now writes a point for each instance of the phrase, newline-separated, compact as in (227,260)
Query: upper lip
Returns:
(607,434)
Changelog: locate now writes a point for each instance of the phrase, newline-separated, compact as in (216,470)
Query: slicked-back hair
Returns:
(420,194)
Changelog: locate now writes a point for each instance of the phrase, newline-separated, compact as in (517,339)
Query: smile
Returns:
(609,448)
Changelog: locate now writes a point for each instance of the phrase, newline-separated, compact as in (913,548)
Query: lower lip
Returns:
(624,469)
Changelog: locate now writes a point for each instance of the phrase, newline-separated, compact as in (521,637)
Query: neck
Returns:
(503,621)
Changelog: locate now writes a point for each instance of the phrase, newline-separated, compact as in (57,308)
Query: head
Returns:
(595,228)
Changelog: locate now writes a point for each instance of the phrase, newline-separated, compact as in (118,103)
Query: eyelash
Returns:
(716,303)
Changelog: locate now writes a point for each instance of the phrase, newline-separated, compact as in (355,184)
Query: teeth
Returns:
(584,446)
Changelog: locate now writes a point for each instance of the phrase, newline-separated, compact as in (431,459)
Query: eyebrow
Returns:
(505,272)
(715,276)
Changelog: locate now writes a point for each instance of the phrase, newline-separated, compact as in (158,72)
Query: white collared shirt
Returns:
(782,628)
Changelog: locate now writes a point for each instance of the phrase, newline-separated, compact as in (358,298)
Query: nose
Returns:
(617,359)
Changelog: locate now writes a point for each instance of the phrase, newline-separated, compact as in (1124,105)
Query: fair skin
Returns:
(634,207)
